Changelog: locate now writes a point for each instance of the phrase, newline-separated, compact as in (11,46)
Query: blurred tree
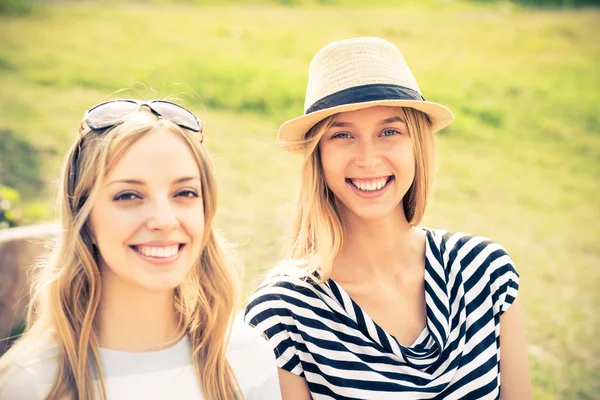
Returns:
(550,3)
(20,164)
(15,7)
(10,212)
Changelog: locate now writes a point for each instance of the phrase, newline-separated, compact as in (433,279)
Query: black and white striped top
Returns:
(318,332)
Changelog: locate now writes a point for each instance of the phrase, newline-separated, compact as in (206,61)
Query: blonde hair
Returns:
(316,233)
(66,293)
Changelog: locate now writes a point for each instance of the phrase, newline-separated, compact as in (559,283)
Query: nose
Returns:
(368,155)
(162,216)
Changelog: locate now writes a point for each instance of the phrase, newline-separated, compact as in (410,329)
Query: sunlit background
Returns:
(520,164)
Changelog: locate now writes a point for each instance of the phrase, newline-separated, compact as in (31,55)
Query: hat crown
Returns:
(355,62)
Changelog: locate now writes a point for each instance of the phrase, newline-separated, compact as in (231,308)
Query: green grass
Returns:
(520,164)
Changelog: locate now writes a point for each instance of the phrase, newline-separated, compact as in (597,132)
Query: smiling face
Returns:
(148,217)
(368,161)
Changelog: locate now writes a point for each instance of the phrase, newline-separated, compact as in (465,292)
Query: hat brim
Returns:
(291,133)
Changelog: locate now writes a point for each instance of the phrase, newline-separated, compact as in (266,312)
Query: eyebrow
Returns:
(342,124)
(391,120)
(141,182)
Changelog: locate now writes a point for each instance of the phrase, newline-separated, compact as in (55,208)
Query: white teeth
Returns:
(371,185)
(159,252)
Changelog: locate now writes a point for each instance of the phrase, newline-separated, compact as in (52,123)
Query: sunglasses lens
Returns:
(109,114)
(177,114)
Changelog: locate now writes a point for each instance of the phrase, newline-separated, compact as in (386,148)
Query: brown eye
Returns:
(127,196)
(187,193)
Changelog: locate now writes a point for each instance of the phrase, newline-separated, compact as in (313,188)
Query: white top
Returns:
(163,374)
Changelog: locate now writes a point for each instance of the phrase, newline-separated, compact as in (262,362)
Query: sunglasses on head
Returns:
(114,112)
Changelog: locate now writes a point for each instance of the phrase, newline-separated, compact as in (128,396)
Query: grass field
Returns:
(521,163)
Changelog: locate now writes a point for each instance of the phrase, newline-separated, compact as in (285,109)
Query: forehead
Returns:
(376,113)
(159,153)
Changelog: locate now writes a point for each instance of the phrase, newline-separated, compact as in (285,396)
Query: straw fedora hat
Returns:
(358,73)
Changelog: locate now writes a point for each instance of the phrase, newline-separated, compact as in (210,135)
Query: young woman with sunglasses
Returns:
(138,300)
(366,304)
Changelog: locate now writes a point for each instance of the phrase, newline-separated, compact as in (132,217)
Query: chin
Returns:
(162,280)
(164,284)
(373,213)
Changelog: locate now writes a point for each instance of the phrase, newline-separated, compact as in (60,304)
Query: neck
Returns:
(378,248)
(134,319)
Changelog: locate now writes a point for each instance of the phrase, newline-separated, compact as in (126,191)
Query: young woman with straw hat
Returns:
(366,305)
(138,302)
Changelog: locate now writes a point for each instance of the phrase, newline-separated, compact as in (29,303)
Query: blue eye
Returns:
(341,135)
(187,193)
(390,132)
(127,196)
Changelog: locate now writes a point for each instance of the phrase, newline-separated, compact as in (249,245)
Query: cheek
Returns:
(106,238)
(193,222)
(99,226)
(402,156)
(333,177)
(410,160)
(407,159)
(333,168)
(111,227)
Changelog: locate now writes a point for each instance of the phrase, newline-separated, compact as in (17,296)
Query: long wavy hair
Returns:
(316,232)
(66,290)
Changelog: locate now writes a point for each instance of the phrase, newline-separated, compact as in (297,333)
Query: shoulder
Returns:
(250,356)
(29,370)
(446,241)
(17,382)
(466,251)
(247,342)
(281,295)
(285,283)
(483,265)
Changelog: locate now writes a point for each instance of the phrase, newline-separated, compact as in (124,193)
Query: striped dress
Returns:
(319,333)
